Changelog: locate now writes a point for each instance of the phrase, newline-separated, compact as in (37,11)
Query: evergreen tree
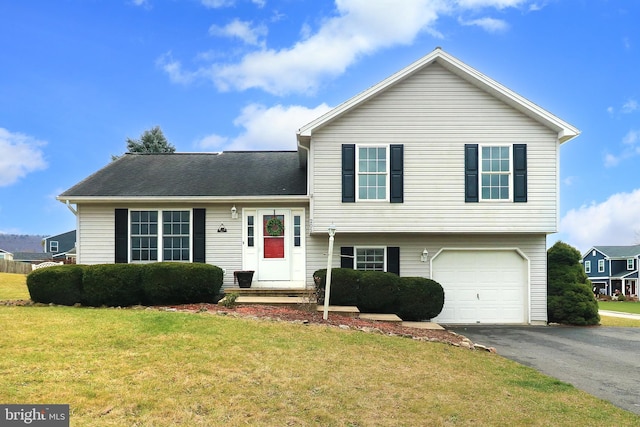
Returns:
(151,141)
(570,299)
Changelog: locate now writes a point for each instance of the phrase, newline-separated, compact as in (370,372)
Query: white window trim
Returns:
(630,264)
(480,172)
(587,267)
(53,243)
(160,235)
(600,266)
(387,172)
(355,256)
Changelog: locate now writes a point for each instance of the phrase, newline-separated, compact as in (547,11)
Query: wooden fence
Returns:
(7,266)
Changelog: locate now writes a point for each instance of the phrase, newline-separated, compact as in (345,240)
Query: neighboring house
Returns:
(60,244)
(32,257)
(613,268)
(437,171)
(6,255)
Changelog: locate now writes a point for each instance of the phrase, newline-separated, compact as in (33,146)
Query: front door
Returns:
(274,244)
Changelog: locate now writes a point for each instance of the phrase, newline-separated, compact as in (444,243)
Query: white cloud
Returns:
(498,4)
(615,221)
(19,155)
(356,28)
(488,24)
(630,106)
(242,30)
(215,4)
(631,148)
(265,128)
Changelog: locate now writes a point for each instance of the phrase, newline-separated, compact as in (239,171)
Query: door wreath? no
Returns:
(275,227)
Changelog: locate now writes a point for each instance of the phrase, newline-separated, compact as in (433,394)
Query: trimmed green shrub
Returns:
(569,296)
(59,285)
(344,286)
(112,285)
(378,291)
(419,299)
(180,283)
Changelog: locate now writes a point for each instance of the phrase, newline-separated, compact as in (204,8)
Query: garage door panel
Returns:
(482,286)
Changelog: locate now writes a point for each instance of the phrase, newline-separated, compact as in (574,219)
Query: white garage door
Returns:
(482,286)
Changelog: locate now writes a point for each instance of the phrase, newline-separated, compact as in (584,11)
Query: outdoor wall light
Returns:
(234,212)
(222,228)
(425,255)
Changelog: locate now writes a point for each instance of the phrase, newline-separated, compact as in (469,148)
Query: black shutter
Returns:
(199,235)
(393,259)
(346,257)
(519,172)
(471,172)
(397,175)
(122,236)
(348,173)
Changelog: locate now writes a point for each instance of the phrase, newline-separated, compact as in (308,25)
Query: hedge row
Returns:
(126,284)
(411,298)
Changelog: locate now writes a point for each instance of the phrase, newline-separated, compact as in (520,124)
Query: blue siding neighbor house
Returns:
(613,268)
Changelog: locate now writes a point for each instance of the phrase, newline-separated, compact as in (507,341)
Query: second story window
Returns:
(495,175)
(53,246)
(587,267)
(630,264)
(372,173)
(600,266)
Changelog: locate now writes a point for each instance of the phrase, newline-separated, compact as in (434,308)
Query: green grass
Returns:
(632,307)
(13,286)
(619,322)
(146,367)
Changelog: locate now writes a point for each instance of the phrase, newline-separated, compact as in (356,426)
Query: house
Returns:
(6,255)
(32,257)
(437,171)
(613,268)
(60,244)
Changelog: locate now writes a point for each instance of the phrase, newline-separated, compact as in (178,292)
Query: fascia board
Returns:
(184,199)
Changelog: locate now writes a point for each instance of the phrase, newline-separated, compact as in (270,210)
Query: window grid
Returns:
(144,235)
(370,259)
(53,246)
(587,266)
(372,173)
(630,264)
(496,171)
(600,266)
(176,228)
(250,231)
(296,230)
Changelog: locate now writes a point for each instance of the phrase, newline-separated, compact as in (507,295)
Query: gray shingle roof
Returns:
(231,173)
(619,251)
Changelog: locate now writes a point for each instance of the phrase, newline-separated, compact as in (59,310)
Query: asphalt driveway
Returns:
(603,361)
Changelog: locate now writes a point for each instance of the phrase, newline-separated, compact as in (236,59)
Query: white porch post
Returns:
(327,287)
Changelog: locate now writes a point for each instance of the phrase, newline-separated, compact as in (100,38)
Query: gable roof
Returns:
(184,175)
(617,251)
(565,130)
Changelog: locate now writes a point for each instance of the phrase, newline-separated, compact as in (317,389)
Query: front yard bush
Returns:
(378,292)
(419,299)
(180,283)
(112,285)
(60,284)
(344,286)
(411,298)
(569,296)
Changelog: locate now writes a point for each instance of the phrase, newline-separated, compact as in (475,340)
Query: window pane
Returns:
(176,236)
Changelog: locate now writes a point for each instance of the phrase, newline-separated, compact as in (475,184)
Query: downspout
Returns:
(71,208)
(304,162)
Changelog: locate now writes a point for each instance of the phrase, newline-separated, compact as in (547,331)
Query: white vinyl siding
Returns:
(434,114)
(412,246)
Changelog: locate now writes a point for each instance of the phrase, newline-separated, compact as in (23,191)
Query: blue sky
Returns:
(78,77)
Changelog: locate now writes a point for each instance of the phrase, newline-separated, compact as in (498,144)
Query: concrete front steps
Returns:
(306,298)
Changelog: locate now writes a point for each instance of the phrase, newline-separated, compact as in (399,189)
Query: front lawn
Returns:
(632,307)
(13,286)
(147,367)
